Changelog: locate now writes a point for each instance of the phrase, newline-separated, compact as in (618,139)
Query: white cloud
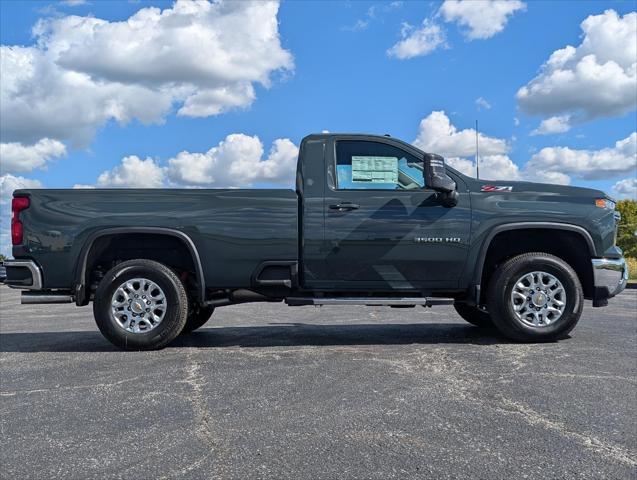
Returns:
(237,161)
(418,41)
(362,23)
(436,134)
(546,176)
(492,167)
(133,172)
(372,14)
(587,164)
(626,188)
(595,79)
(482,103)
(9,183)
(483,18)
(557,124)
(15,157)
(83,71)
(74,3)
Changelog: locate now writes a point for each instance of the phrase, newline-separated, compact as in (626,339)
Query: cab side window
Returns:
(364,165)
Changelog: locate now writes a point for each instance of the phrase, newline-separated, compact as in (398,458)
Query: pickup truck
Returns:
(372,221)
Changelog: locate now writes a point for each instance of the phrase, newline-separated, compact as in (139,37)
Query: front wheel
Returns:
(535,297)
(140,305)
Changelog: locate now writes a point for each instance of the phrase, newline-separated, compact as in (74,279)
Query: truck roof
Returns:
(366,136)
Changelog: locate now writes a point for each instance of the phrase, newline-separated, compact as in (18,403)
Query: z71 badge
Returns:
(496,188)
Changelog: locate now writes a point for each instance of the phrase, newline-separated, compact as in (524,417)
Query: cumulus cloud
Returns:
(133,172)
(436,134)
(483,18)
(557,124)
(9,183)
(626,189)
(587,164)
(417,42)
(595,79)
(204,58)
(237,161)
(15,157)
(492,167)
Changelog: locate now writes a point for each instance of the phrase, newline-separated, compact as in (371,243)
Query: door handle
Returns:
(345,206)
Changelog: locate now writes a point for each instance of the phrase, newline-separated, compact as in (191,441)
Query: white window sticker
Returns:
(374,169)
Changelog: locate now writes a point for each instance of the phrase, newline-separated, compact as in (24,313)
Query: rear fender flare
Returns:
(81,287)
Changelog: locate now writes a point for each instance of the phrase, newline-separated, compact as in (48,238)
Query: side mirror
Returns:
(437,179)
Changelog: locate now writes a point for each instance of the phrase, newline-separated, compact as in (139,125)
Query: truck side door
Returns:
(384,230)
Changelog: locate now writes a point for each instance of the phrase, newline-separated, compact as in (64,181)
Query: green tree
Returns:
(627,234)
(2,258)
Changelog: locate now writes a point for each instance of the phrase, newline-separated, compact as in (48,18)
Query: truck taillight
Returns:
(17,231)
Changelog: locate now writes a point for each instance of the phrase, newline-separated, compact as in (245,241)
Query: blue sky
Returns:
(335,71)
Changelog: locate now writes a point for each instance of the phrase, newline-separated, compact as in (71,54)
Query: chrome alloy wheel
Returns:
(538,299)
(138,305)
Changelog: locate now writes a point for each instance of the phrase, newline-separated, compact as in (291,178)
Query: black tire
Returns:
(501,308)
(473,315)
(176,301)
(197,318)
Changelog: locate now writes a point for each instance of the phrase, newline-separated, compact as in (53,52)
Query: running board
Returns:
(368,301)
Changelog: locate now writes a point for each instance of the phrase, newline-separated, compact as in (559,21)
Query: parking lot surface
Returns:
(269,391)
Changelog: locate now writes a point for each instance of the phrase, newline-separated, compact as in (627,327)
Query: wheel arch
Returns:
(82,267)
(492,236)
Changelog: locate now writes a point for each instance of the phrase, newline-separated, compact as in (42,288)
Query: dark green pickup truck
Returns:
(373,221)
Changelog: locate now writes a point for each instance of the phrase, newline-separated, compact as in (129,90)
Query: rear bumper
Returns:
(24,274)
(609,278)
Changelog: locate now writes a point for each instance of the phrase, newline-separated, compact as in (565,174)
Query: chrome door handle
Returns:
(343,207)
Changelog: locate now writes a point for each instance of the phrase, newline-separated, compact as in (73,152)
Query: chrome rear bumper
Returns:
(31,279)
(610,275)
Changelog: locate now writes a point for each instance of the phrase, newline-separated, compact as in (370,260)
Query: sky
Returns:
(207,95)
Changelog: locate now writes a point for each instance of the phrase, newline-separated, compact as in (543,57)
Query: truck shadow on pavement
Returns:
(276,335)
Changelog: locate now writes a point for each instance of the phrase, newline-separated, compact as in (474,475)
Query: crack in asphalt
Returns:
(59,388)
(203,429)
(614,452)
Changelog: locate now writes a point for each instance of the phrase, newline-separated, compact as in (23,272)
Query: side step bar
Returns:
(368,301)
(31,298)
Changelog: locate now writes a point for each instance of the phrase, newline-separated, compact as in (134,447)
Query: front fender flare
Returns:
(479,265)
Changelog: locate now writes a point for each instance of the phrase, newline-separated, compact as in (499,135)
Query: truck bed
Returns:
(233,230)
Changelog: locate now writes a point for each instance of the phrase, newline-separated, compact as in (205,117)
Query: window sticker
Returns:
(367,169)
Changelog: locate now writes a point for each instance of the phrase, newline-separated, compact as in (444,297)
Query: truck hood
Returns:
(510,187)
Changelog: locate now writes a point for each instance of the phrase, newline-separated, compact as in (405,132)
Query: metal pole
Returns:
(477,153)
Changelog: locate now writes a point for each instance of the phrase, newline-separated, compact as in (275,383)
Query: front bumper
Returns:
(610,276)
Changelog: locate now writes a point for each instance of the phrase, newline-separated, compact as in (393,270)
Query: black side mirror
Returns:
(437,179)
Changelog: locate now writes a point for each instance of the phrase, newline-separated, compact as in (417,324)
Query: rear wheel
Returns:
(473,315)
(535,297)
(197,318)
(140,305)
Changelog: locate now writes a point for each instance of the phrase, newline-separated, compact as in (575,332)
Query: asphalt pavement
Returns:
(269,391)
